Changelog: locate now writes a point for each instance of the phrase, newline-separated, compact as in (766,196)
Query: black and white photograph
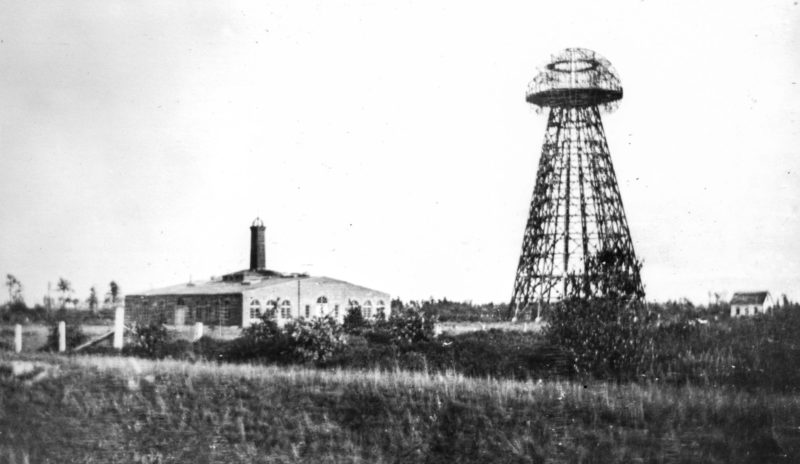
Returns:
(400,232)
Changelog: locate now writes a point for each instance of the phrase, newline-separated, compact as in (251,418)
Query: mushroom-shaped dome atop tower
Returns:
(575,77)
(257,222)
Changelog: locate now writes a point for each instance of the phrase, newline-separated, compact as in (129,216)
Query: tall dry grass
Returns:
(121,409)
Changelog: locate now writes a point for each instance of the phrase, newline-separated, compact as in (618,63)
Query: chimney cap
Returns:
(257,223)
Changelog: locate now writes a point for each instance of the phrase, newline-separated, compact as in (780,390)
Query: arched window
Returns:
(366,310)
(255,309)
(271,306)
(286,309)
(380,309)
(321,309)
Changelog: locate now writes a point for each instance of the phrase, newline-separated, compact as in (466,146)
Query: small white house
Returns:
(751,303)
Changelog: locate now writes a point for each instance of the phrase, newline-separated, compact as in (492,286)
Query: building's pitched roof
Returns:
(252,273)
(330,282)
(745,298)
(214,287)
(220,287)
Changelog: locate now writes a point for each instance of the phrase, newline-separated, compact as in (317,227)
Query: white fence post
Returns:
(525,327)
(17,338)
(119,327)
(62,337)
(198,331)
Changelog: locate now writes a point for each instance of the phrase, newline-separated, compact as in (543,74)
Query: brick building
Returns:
(239,298)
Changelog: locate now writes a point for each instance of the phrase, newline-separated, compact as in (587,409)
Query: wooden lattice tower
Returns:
(576,211)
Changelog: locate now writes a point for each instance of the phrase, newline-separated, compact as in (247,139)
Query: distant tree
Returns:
(412,325)
(64,287)
(396,305)
(113,292)
(14,289)
(47,302)
(354,319)
(92,300)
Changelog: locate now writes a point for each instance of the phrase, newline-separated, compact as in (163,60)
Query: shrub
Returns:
(605,337)
(315,340)
(263,341)
(410,325)
(354,321)
(218,350)
(150,340)
(602,325)
(17,312)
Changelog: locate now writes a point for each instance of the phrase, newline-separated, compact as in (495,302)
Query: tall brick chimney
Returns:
(258,248)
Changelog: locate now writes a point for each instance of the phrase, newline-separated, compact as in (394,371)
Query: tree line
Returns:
(66,298)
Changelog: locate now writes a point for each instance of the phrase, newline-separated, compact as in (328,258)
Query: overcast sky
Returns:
(385,143)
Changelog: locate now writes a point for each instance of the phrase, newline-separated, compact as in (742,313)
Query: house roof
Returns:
(743,298)
(329,282)
(220,287)
(215,287)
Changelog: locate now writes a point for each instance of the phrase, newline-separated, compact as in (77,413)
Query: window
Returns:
(322,307)
(336,311)
(308,311)
(286,309)
(180,302)
(255,309)
(755,309)
(380,310)
(223,313)
(366,311)
(737,310)
(271,306)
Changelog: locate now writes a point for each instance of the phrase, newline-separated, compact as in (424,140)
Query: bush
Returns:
(410,325)
(754,353)
(305,341)
(604,337)
(18,313)
(315,340)
(354,321)
(602,325)
(215,350)
(262,341)
(150,340)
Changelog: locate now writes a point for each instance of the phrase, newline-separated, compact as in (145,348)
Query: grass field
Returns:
(106,409)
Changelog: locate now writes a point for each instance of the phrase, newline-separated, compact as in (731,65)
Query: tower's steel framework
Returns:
(576,211)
